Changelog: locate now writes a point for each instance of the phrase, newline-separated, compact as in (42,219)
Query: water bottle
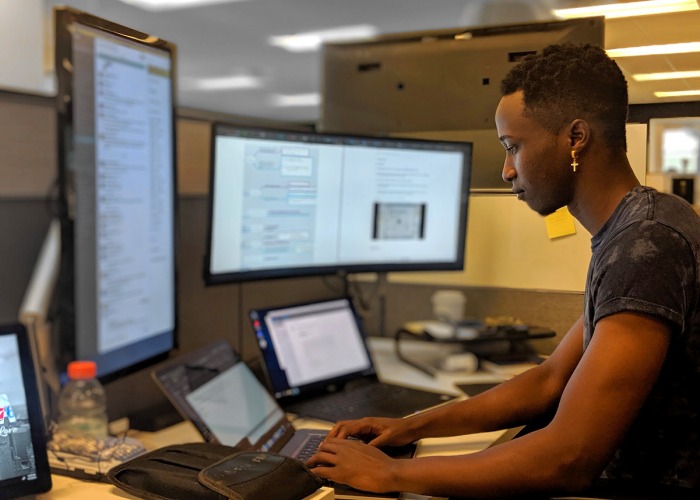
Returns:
(82,403)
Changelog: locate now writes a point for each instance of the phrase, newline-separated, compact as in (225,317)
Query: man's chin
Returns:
(543,211)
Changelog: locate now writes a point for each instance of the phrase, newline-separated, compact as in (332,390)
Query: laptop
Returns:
(317,364)
(24,467)
(227,404)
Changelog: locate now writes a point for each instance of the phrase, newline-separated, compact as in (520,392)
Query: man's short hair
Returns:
(570,81)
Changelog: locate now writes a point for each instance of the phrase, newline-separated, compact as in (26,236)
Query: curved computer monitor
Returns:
(286,204)
(116,287)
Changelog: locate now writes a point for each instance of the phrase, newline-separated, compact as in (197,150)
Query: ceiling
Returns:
(230,38)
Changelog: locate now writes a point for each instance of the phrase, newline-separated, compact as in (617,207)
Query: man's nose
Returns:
(508,173)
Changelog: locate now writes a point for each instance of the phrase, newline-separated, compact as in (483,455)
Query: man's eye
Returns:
(511,149)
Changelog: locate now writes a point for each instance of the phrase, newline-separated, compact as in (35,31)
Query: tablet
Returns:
(24,468)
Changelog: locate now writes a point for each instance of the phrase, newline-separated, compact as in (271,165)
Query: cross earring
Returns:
(574,160)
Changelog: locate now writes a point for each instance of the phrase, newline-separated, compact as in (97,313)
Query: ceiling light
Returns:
(156,5)
(653,50)
(669,75)
(312,40)
(628,9)
(296,100)
(235,82)
(678,93)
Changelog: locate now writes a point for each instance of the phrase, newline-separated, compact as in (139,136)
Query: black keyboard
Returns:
(362,396)
(367,400)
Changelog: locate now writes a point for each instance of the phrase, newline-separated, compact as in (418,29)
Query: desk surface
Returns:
(390,368)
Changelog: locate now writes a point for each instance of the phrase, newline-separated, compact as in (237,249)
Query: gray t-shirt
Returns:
(646,259)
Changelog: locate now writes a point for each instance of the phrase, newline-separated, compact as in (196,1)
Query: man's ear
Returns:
(579,134)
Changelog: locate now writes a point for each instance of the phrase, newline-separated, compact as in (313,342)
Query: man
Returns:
(622,385)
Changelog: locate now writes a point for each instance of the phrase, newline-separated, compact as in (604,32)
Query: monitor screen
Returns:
(295,203)
(24,468)
(117,193)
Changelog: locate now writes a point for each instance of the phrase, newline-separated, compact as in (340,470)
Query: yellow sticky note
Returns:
(560,223)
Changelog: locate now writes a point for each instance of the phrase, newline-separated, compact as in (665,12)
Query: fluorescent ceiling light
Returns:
(653,50)
(296,100)
(669,75)
(234,82)
(678,93)
(312,40)
(628,9)
(156,5)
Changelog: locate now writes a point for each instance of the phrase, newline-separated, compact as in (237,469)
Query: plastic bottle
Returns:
(82,403)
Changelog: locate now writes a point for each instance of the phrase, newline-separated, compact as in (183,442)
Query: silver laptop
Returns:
(225,401)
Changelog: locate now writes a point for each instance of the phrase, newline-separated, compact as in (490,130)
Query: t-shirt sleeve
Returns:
(648,268)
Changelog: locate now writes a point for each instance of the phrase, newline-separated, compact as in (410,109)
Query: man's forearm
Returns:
(512,403)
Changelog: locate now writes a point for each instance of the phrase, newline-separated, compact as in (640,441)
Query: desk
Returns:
(390,368)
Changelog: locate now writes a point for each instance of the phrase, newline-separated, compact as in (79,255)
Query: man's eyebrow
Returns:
(504,137)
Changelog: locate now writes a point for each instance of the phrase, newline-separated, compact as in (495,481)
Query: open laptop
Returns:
(24,468)
(318,365)
(227,404)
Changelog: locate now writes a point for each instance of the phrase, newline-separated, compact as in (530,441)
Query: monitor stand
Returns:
(155,418)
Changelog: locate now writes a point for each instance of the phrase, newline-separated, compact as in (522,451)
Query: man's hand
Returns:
(352,462)
(374,431)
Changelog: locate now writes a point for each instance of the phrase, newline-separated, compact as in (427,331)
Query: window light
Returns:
(669,75)
(678,93)
(234,82)
(296,100)
(628,9)
(157,5)
(652,50)
(312,40)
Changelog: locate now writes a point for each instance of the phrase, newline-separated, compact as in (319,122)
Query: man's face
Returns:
(538,162)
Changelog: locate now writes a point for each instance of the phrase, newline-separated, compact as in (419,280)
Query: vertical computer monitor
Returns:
(117,288)
(288,204)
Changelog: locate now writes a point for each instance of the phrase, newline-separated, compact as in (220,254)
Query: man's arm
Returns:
(515,402)
(599,403)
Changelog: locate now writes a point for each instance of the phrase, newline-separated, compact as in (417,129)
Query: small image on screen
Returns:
(399,221)
(16,451)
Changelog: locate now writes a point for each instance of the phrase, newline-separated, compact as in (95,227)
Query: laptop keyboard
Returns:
(311,444)
(360,401)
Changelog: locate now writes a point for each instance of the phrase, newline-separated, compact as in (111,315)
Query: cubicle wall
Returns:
(507,246)
(513,269)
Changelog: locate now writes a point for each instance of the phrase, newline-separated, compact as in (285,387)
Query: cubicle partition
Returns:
(512,268)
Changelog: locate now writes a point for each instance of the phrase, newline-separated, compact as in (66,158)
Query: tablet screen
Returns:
(23,464)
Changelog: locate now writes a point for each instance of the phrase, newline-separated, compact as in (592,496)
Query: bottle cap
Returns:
(82,370)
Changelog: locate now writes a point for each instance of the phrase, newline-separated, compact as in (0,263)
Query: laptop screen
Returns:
(219,394)
(23,462)
(308,346)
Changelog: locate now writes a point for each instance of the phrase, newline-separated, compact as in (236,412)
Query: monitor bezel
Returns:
(65,324)
(211,278)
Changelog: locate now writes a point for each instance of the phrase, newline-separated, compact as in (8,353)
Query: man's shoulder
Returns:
(677,214)
(669,210)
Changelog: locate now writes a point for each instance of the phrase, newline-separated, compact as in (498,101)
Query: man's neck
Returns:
(600,190)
